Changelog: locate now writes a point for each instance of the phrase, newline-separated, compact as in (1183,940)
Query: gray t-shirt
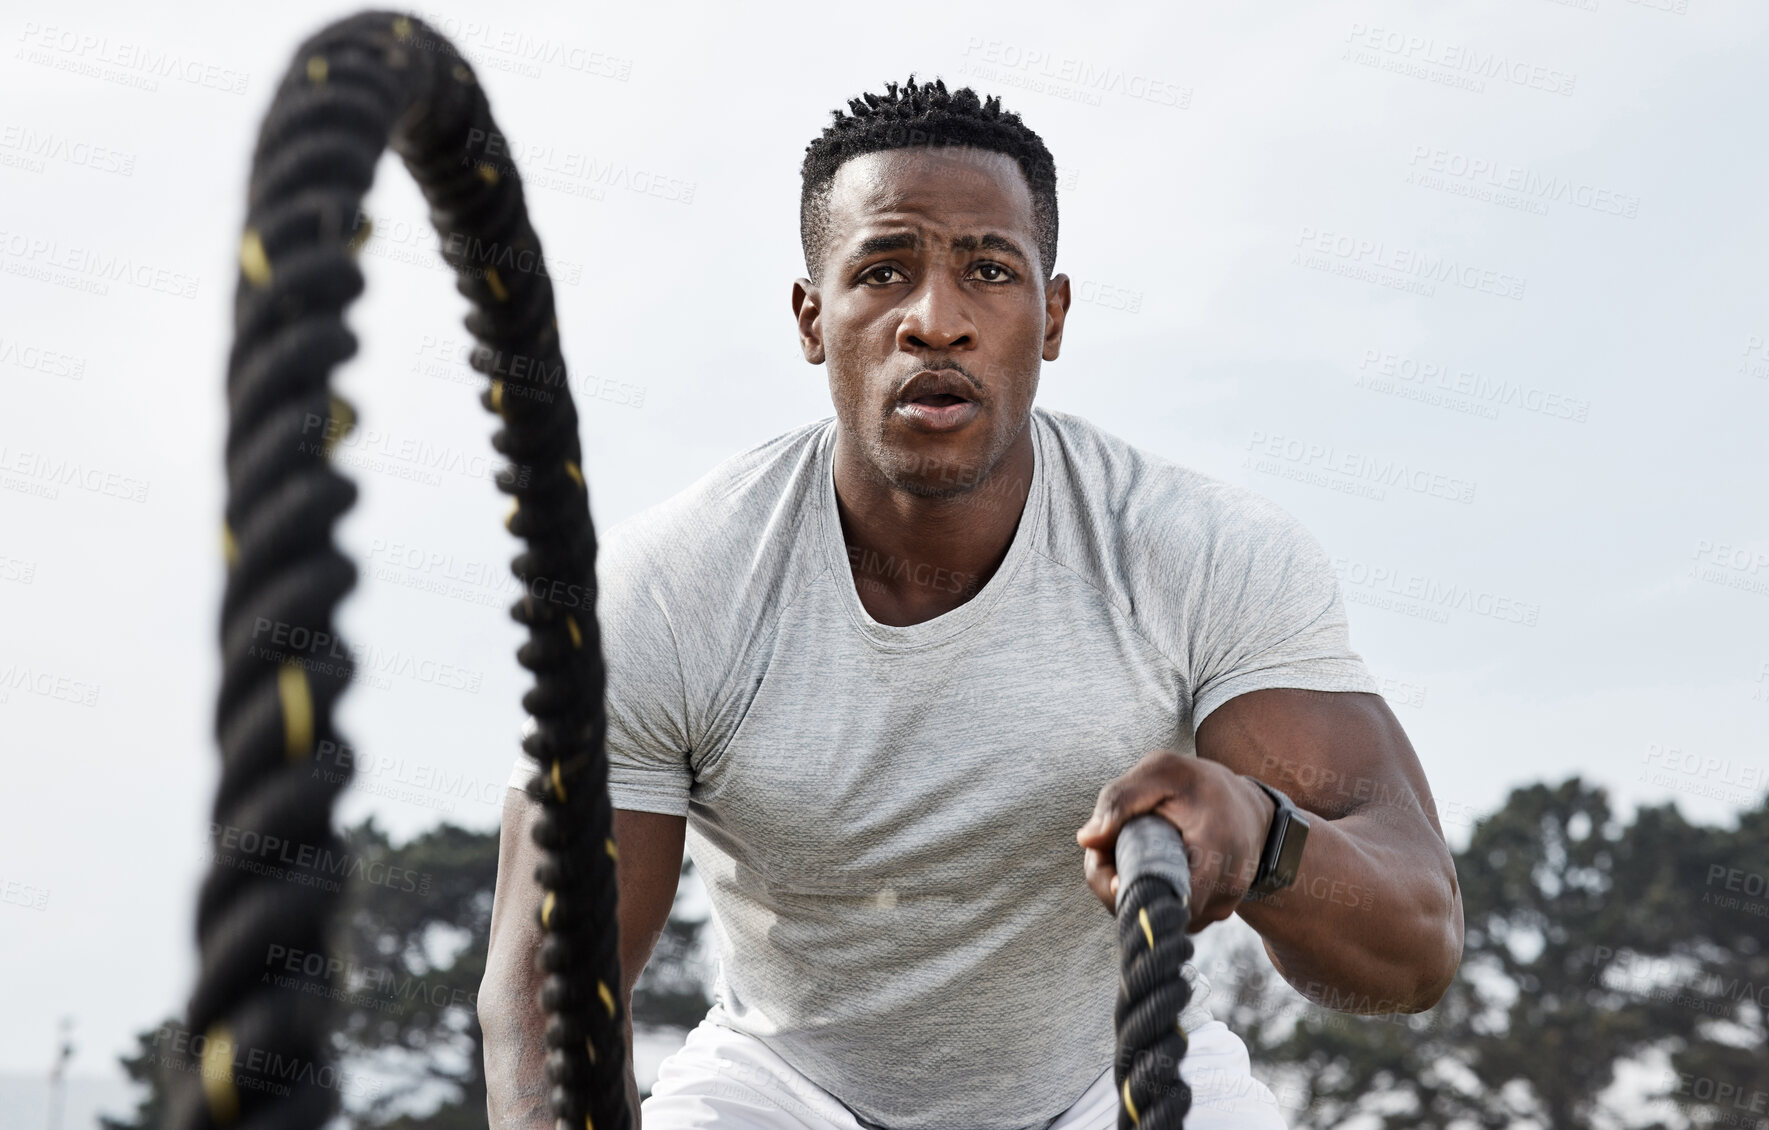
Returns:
(884,817)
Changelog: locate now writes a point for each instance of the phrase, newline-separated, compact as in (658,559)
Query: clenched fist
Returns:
(1222,816)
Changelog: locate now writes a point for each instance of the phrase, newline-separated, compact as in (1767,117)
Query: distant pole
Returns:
(58,1073)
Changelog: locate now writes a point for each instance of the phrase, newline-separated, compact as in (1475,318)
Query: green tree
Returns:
(414,934)
(417,941)
(421,954)
(146,1069)
(1576,925)
(1720,964)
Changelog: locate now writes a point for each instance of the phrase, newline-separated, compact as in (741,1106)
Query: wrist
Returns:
(1266,806)
(1280,855)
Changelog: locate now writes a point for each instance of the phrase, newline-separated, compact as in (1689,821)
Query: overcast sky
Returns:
(1476,294)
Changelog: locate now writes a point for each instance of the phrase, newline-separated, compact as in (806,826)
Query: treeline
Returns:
(1592,943)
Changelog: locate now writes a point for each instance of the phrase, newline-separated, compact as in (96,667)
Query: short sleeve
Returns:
(648,747)
(1271,615)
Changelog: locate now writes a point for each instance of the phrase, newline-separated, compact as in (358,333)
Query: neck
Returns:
(914,558)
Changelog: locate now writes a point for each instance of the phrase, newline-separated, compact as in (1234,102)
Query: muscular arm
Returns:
(1373,922)
(650,863)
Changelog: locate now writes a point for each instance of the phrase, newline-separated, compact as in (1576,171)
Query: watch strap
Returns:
(1281,856)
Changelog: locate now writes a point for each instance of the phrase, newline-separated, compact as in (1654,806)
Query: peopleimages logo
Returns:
(1372,259)
(1429,594)
(44,475)
(1271,453)
(1462,390)
(87,269)
(1425,57)
(1068,76)
(120,61)
(1525,183)
(573,172)
(35,147)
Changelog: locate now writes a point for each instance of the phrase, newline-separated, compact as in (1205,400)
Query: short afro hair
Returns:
(925,115)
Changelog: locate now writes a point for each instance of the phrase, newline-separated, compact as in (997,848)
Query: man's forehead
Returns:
(964,185)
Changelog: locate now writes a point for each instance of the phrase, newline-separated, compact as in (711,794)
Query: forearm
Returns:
(516,1061)
(516,1070)
(632,1078)
(1373,922)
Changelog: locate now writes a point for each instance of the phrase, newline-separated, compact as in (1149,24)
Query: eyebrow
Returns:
(875,244)
(989,242)
(909,241)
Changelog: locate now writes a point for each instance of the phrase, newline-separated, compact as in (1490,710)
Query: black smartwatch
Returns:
(1282,856)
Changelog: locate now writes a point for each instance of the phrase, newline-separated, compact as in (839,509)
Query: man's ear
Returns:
(1056,308)
(807,307)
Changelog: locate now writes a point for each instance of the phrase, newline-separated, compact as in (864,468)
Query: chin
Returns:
(942,466)
(922,488)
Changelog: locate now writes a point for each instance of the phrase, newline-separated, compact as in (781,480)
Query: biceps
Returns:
(647,873)
(1332,752)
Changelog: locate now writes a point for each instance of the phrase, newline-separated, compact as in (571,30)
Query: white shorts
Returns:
(726,1080)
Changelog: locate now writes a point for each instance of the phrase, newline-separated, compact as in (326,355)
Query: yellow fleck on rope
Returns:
(1135,1119)
(591,1048)
(488,172)
(497,395)
(577,635)
(297,702)
(613,852)
(510,518)
(1142,915)
(576,472)
(254,263)
(365,227)
(217,1072)
(497,285)
(547,911)
(462,74)
(607,997)
(402,28)
(230,549)
(343,418)
(317,69)
(558,785)
(589,1125)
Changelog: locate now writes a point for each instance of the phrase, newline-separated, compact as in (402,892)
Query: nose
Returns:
(938,320)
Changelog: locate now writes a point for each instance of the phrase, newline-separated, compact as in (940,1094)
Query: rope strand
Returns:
(1154,909)
(264,1055)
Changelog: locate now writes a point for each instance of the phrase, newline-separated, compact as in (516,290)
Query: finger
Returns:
(1101,872)
(1103,826)
(1101,877)
(1136,792)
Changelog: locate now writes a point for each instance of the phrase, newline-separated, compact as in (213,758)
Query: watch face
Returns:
(1281,857)
(1295,834)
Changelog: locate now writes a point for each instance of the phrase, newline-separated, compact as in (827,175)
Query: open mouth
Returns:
(938,400)
(938,412)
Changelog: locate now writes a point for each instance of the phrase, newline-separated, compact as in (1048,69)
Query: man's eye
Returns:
(994,273)
(883,273)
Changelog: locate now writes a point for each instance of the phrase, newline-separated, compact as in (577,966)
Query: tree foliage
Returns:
(412,949)
(1588,944)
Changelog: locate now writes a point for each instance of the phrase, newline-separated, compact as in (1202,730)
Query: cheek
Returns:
(853,343)
(1021,332)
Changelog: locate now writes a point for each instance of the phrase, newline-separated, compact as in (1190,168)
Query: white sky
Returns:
(1268,141)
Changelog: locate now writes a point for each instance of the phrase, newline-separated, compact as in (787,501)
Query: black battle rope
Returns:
(1154,908)
(258,1018)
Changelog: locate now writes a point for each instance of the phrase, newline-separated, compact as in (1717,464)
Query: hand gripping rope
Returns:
(1154,908)
(260,1052)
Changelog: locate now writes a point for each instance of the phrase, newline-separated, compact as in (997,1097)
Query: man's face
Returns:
(932,313)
